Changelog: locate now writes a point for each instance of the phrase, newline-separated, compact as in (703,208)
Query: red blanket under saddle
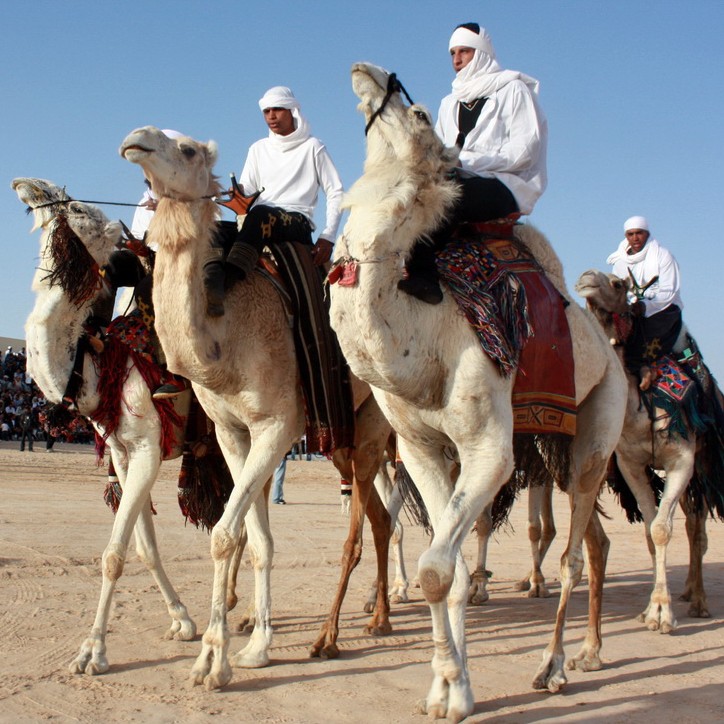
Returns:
(520,320)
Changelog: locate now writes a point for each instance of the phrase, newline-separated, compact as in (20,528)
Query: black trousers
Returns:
(266,225)
(482,199)
(652,338)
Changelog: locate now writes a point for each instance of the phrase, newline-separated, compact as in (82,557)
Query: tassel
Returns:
(345,494)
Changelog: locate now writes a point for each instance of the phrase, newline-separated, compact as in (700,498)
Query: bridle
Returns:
(393,86)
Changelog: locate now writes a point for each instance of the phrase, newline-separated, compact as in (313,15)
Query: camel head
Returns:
(177,168)
(396,131)
(603,291)
(41,197)
(77,237)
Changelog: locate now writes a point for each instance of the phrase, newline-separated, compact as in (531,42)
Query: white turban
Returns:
(278,97)
(636,222)
(282,97)
(462,37)
(483,75)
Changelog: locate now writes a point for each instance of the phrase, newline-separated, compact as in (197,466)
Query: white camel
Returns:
(53,331)
(437,387)
(648,443)
(244,371)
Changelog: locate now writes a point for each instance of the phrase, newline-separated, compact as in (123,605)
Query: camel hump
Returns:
(544,254)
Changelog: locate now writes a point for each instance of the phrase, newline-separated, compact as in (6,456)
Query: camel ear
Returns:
(212,152)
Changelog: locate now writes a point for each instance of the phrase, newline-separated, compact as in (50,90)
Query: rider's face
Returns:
(637,238)
(279,120)
(461,56)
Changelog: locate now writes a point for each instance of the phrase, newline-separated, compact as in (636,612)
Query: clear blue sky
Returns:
(633,91)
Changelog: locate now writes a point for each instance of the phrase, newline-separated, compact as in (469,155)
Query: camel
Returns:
(646,443)
(437,388)
(53,331)
(243,369)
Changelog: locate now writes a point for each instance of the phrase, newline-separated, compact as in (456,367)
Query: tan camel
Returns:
(437,388)
(243,369)
(53,331)
(645,443)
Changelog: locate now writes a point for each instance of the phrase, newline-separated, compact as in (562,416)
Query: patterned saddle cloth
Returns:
(520,321)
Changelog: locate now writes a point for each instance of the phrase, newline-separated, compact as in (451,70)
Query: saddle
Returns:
(519,319)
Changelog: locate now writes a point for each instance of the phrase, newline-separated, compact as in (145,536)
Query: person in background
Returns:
(655,294)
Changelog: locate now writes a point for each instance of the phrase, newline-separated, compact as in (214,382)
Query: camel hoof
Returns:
(666,627)
(698,610)
(523,585)
(539,591)
(369,607)
(381,629)
(585,663)
(478,599)
(181,631)
(249,660)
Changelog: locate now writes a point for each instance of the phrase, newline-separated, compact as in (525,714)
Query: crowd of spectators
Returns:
(22,415)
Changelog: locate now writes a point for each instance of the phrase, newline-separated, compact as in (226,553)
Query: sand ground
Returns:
(54,526)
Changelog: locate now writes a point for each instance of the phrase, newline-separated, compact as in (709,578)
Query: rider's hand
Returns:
(150,204)
(638,308)
(322,251)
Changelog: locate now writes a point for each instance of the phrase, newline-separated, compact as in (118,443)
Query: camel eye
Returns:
(75,209)
(422,116)
(188,151)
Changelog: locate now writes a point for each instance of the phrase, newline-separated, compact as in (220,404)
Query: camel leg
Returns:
(361,466)
(392,499)
(261,550)
(401,583)
(443,575)
(541,533)
(550,674)
(597,546)
(590,451)
(250,474)
(478,590)
(137,475)
(698,543)
(182,627)
(659,614)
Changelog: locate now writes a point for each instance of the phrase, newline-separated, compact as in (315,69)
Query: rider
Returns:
(493,117)
(287,168)
(656,301)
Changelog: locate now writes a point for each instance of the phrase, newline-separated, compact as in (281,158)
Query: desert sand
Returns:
(54,526)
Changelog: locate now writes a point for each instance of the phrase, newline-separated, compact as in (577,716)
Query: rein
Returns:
(393,86)
(212,197)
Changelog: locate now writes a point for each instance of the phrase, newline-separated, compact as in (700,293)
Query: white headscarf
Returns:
(282,97)
(483,75)
(636,222)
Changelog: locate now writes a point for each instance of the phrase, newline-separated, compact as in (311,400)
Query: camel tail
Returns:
(413,502)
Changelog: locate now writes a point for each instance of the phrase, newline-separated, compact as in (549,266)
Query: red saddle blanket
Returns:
(519,318)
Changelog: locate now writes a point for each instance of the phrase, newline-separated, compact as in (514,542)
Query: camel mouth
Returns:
(135,149)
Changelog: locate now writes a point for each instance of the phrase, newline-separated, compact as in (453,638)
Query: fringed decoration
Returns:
(412,500)
(491,297)
(113,492)
(129,336)
(205,482)
(74,269)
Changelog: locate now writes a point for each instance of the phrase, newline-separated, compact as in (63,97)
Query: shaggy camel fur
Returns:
(244,372)
(643,444)
(438,389)
(53,330)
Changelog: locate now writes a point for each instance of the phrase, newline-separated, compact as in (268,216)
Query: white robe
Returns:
(291,179)
(508,142)
(651,261)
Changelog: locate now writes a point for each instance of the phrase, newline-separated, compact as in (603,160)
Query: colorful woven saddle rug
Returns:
(520,321)
(128,336)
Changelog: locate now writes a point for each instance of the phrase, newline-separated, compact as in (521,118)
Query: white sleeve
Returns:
(331,183)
